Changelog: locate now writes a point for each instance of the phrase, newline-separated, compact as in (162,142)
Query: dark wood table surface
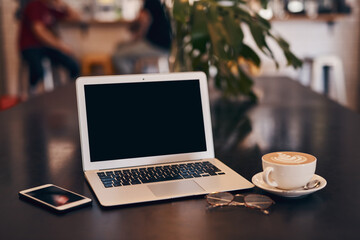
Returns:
(39,143)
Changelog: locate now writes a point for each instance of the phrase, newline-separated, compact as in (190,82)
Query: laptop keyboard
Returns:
(143,175)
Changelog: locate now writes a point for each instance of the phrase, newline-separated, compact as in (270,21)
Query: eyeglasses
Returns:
(257,201)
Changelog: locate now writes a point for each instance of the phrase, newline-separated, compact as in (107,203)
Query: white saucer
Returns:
(258,181)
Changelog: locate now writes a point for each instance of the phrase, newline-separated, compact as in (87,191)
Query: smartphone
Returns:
(55,197)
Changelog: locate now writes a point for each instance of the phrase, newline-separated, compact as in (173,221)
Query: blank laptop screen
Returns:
(130,120)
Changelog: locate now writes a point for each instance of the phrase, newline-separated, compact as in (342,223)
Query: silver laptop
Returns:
(148,137)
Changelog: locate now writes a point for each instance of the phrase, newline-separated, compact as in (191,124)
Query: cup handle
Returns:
(266,178)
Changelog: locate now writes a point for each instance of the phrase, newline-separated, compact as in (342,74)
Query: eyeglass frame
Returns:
(263,210)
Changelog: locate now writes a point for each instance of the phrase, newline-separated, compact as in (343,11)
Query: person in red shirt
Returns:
(38,39)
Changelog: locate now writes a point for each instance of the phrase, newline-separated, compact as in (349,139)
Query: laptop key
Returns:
(188,176)
(144,180)
(135,182)
(105,180)
(177,177)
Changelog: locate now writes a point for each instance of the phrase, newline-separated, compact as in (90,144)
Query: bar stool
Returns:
(49,82)
(322,82)
(91,61)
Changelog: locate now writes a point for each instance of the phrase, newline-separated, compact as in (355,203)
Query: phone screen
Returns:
(54,196)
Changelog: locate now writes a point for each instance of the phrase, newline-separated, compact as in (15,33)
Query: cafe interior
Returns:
(283,75)
(324,34)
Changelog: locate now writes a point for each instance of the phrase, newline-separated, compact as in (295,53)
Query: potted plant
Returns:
(209,37)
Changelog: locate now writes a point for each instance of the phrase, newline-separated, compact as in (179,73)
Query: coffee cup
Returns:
(288,170)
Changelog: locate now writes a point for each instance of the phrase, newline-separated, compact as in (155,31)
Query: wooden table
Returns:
(39,143)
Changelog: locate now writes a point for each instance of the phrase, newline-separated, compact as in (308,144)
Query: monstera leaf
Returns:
(209,35)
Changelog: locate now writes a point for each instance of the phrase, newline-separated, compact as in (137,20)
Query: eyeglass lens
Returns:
(258,201)
(220,198)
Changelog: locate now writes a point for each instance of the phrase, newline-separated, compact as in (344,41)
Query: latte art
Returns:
(289,158)
(285,158)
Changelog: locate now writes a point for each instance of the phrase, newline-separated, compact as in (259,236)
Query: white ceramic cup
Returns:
(288,170)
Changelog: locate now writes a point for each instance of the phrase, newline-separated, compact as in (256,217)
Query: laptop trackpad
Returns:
(176,188)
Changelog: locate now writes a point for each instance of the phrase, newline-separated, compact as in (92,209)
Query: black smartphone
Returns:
(55,197)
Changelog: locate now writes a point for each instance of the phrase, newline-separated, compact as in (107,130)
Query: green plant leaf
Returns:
(259,36)
(292,60)
(232,29)
(282,43)
(199,32)
(216,32)
(181,10)
(264,3)
(249,54)
(218,82)
(198,64)
(265,24)
(242,15)
(245,83)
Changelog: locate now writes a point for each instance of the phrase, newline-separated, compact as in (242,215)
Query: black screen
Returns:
(55,196)
(131,120)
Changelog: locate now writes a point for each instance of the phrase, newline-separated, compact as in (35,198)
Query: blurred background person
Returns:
(151,36)
(38,39)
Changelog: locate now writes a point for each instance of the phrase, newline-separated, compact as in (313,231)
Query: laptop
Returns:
(148,137)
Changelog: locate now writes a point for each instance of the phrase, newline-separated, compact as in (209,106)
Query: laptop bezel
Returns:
(81,82)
